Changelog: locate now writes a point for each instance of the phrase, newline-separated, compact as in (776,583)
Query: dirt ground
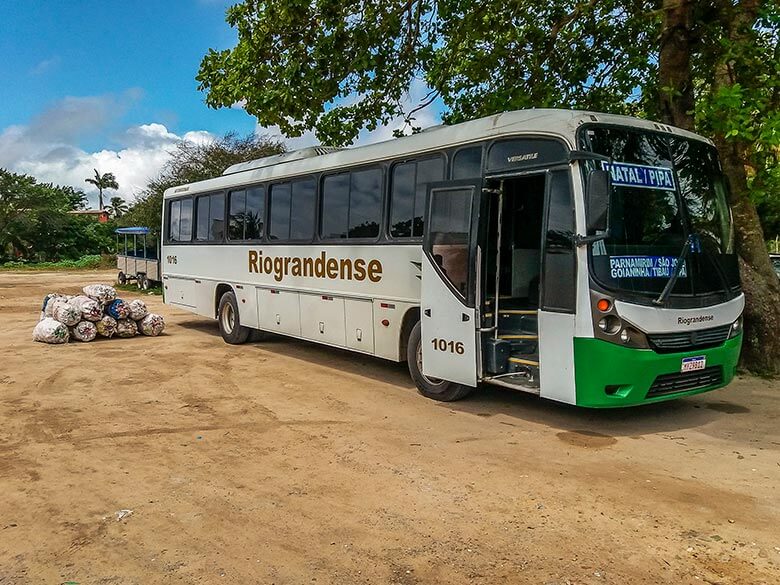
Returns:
(286,462)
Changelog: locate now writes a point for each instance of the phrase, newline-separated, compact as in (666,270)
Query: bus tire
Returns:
(433,388)
(230,322)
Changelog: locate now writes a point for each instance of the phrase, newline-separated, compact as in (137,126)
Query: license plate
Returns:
(691,364)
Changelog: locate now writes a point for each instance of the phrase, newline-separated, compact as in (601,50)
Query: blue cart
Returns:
(139,258)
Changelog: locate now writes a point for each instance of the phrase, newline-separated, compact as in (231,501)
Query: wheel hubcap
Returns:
(228,318)
(431,381)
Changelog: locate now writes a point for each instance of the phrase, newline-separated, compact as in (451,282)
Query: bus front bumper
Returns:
(610,375)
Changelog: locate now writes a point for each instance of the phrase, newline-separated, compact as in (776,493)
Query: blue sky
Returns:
(111,85)
(144,52)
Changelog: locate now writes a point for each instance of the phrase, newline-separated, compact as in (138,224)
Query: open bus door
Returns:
(449,322)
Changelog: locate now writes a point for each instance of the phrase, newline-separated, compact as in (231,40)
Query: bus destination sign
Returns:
(644,177)
(644,267)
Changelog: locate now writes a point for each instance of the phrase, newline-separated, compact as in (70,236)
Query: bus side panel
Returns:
(359,324)
(246,297)
(556,357)
(279,311)
(181,292)
(387,337)
(322,318)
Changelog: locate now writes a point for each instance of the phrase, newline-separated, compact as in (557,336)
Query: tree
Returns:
(192,162)
(713,66)
(118,207)
(35,223)
(103,182)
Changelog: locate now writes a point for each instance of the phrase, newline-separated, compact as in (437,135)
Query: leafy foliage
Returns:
(103,182)
(192,162)
(118,207)
(35,224)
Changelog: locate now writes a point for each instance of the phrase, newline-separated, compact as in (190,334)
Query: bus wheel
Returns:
(229,321)
(121,278)
(430,387)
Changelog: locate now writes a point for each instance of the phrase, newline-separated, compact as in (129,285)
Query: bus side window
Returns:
(302,210)
(185,221)
(560,268)
(254,217)
(407,196)
(210,218)
(237,215)
(279,219)
(365,203)
(174,214)
(335,206)
(467,163)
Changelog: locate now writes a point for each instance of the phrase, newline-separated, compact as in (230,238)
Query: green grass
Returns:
(89,262)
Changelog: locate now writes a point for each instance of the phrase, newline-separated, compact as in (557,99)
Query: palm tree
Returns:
(117,207)
(104,181)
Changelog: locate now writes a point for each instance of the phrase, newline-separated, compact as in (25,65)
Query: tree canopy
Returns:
(35,223)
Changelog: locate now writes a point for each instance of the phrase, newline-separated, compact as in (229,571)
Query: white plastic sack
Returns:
(152,325)
(138,309)
(65,313)
(102,293)
(50,331)
(126,328)
(83,331)
(48,303)
(106,327)
(90,308)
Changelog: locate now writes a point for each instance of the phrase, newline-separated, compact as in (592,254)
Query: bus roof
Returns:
(550,122)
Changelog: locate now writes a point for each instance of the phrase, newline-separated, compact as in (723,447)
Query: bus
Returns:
(584,257)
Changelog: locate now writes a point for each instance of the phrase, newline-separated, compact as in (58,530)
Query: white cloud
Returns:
(47,147)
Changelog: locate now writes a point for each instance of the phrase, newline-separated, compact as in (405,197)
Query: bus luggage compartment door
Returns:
(448,317)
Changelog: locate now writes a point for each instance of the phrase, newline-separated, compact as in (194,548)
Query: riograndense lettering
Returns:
(696,319)
(318,267)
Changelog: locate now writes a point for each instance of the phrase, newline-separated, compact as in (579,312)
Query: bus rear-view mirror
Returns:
(598,200)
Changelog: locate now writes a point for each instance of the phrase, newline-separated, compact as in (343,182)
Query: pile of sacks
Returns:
(97,312)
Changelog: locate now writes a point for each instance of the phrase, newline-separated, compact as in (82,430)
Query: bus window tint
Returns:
(237,215)
(450,226)
(335,206)
(402,200)
(185,221)
(210,218)
(302,210)
(467,163)
(174,213)
(280,212)
(560,262)
(254,214)
(365,203)
(410,185)
(217,218)
(202,219)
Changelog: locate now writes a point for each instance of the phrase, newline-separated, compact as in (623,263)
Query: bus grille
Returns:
(670,383)
(668,342)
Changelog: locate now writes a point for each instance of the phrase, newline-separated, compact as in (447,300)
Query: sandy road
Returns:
(284,462)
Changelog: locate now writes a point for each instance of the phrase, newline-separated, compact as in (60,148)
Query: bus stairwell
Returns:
(510,306)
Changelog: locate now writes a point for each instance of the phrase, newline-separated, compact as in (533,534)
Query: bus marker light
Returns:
(386,322)
(603,305)
(387,305)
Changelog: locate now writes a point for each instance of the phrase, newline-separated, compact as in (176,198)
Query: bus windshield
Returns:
(668,194)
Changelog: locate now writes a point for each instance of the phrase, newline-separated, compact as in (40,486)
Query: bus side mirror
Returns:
(599,187)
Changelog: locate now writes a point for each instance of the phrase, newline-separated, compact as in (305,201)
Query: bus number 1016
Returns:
(450,346)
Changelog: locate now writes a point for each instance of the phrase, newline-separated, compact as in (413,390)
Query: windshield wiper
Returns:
(689,242)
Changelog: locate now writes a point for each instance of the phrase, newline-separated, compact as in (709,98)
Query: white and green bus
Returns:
(584,257)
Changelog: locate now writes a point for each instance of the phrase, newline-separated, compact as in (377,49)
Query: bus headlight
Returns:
(609,324)
(736,328)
